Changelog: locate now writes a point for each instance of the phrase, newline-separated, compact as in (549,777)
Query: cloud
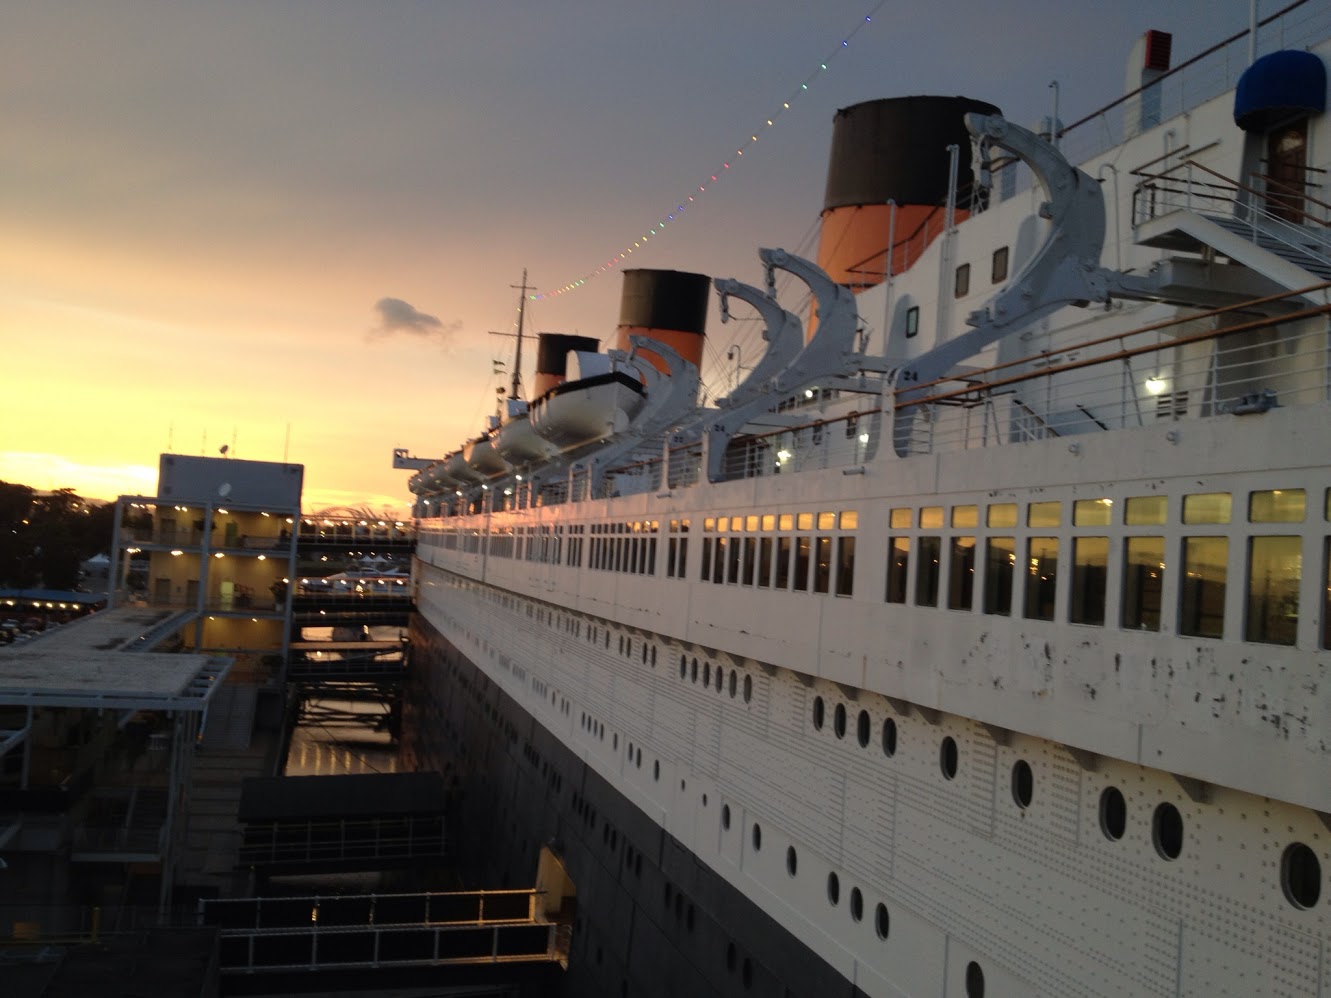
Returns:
(397,316)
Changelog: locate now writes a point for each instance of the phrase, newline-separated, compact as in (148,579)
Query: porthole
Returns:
(792,861)
(881,923)
(688,918)
(839,720)
(748,688)
(656,770)
(856,904)
(1167,831)
(734,681)
(889,737)
(638,758)
(731,957)
(725,816)
(974,980)
(818,710)
(1023,783)
(746,974)
(757,837)
(669,894)
(683,666)
(862,726)
(693,671)
(833,889)
(947,757)
(707,673)
(1113,813)
(1301,875)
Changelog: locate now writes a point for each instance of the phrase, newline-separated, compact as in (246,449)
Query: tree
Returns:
(44,538)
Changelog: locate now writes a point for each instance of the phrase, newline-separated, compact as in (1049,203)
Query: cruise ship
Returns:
(978,641)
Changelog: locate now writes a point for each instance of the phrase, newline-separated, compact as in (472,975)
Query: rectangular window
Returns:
(765,562)
(965,516)
(1044,514)
(1275,569)
(998,269)
(786,522)
(804,521)
(1277,506)
(1207,507)
(845,566)
(1092,512)
(732,565)
(719,561)
(1145,511)
(912,321)
(802,550)
(782,563)
(900,518)
(1202,586)
(683,557)
(1000,559)
(898,569)
(1041,577)
(848,519)
(706,558)
(822,576)
(1143,582)
(826,521)
(962,287)
(927,571)
(1001,514)
(1090,567)
(961,574)
(1326,591)
(931,517)
(749,547)
(672,551)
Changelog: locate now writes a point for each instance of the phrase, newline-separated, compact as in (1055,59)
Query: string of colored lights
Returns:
(682,205)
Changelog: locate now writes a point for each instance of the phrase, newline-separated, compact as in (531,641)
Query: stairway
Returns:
(1314,257)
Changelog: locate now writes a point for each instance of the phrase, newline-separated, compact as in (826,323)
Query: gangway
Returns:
(349,932)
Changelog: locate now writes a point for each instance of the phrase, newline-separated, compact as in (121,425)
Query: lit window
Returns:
(1092,512)
(1208,507)
(1202,596)
(999,563)
(1143,582)
(1275,569)
(1277,506)
(1002,514)
(1041,577)
(1090,561)
(1144,511)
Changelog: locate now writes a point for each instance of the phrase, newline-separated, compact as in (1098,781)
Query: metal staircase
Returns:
(1191,207)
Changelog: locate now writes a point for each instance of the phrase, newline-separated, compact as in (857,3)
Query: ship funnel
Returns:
(891,150)
(669,306)
(552,352)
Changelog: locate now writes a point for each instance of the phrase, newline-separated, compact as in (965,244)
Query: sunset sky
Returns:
(289,226)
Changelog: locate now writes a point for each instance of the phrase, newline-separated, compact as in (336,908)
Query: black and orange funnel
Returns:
(891,150)
(669,306)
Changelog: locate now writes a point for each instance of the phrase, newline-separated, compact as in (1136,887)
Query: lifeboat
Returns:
(482,457)
(457,469)
(516,441)
(596,404)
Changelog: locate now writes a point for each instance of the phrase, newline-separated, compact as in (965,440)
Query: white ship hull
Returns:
(1016,686)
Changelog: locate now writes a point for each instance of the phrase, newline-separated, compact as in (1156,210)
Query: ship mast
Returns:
(522,311)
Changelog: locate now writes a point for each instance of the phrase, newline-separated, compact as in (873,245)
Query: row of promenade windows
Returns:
(1003,558)
(1012,568)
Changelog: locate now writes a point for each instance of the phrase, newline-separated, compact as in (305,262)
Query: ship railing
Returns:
(1277,211)
(845,442)
(1192,82)
(685,465)
(1164,372)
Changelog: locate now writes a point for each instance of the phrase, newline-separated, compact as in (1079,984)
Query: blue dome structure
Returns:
(1277,86)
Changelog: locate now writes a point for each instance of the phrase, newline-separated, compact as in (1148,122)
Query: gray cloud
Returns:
(397,316)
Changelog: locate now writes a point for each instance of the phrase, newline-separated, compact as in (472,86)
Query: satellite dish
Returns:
(224,489)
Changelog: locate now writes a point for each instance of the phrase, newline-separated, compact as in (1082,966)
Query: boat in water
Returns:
(977,642)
